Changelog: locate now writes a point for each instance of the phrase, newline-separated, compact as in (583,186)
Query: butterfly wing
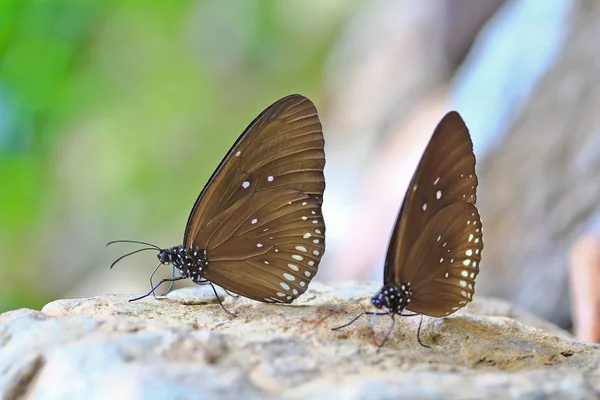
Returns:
(259,217)
(445,176)
(446,261)
(282,148)
(266,246)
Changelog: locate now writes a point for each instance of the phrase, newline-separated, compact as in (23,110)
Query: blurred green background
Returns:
(114,114)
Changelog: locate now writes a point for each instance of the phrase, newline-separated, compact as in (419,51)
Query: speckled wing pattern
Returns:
(259,217)
(437,240)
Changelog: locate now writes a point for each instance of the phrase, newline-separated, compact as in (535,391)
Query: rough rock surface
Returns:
(185,346)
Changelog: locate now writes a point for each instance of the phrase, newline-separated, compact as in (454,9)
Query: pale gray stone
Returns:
(107,347)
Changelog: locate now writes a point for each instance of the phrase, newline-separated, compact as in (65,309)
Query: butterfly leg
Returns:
(356,318)
(219,299)
(156,287)
(389,332)
(171,284)
(351,322)
(206,282)
(419,333)
(152,276)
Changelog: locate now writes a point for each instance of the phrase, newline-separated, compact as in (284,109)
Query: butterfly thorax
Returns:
(190,262)
(393,297)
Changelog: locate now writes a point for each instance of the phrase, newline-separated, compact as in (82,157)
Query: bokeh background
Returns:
(114,114)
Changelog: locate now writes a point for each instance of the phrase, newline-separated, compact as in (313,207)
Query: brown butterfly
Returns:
(256,228)
(434,253)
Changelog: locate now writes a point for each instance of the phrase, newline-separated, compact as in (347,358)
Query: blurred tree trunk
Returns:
(540,188)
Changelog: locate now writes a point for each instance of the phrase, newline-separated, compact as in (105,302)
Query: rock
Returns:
(107,347)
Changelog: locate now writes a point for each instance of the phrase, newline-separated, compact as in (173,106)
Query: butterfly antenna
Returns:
(134,241)
(128,254)
(419,333)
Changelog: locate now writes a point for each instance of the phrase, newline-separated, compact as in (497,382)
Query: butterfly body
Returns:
(392,297)
(436,244)
(257,229)
(435,247)
(189,262)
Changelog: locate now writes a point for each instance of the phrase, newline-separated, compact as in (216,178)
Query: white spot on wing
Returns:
(297,257)
(438,194)
(284,285)
(270,179)
(246,184)
(301,248)
(294,267)
(306,235)
(289,277)
(254,221)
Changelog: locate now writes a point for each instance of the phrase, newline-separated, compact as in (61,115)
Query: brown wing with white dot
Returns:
(444,175)
(267,246)
(282,148)
(446,259)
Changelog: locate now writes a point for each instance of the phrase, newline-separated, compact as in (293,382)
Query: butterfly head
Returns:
(393,297)
(164,256)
